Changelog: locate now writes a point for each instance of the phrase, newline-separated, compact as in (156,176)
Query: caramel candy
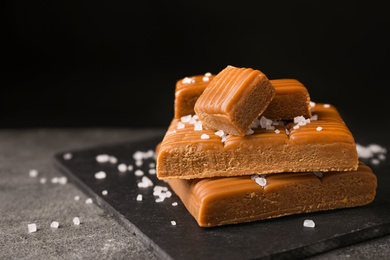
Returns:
(190,151)
(232,200)
(187,92)
(291,99)
(234,100)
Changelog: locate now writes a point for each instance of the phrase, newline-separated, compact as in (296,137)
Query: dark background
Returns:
(111,63)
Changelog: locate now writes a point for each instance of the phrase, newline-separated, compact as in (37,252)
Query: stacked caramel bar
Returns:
(243,148)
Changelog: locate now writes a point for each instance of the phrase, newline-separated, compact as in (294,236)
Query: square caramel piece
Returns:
(233,200)
(234,99)
(322,143)
(291,99)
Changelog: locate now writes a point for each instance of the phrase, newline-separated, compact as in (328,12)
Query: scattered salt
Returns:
(102,158)
(43,180)
(76,221)
(319,128)
(381,157)
(206,79)
(33,173)
(277,131)
(54,180)
(376,148)
(104,192)
(326,105)
(145,182)
(32,228)
(314,117)
(186,119)
(312,104)
(113,160)
(62,180)
(88,201)
(130,167)
(138,163)
(198,126)
(298,119)
(264,122)
(261,181)
(174,204)
(122,167)
(204,136)
(309,223)
(77,197)
(67,156)
(139,197)
(249,132)
(375,161)
(187,80)
(220,133)
(180,125)
(139,173)
(54,224)
(152,165)
(296,126)
(100,175)
(152,171)
(173,223)
(208,74)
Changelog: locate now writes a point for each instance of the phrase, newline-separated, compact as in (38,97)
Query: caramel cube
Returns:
(322,143)
(234,99)
(232,200)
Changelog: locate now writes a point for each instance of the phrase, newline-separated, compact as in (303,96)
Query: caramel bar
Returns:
(222,201)
(291,99)
(187,92)
(234,100)
(323,144)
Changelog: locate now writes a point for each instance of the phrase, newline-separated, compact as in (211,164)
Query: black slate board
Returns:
(281,238)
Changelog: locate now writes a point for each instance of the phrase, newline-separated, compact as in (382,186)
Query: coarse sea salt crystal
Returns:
(67,156)
(152,165)
(312,104)
(277,131)
(104,192)
(296,126)
(88,201)
(33,173)
(139,172)
(130,167)
(205,136)
(62,180)
(174,204)
(249,132)
(173,223)
(319,128)
(261,181)
(375,161)
(198,126)
(152,171)
(220,133)
(187,80)
(100,175)
(186,119)
(139,197)
(43,180)
(113,160)
(326,105)
(122,167)
(77,197)
(376,148)
(102,158)
(208,74)
(309,223)
(206,79)
(314,117)
(180,125)
(54,224)
(298,119)
(76,221)
(54,180)
(32,227)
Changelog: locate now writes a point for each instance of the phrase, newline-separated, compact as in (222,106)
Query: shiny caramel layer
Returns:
(291,99)
(189,150)
(234,99)
(232,200)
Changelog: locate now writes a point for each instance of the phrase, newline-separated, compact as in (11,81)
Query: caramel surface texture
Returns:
(324,144)
(221,201)
(234,99)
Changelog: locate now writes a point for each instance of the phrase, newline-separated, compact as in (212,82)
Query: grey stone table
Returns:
(25,200)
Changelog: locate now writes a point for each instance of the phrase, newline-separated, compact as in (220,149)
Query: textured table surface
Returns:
(25,200)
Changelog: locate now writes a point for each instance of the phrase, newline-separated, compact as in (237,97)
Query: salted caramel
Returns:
(232,200)
(189,150)
(291,99)
(234,99)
